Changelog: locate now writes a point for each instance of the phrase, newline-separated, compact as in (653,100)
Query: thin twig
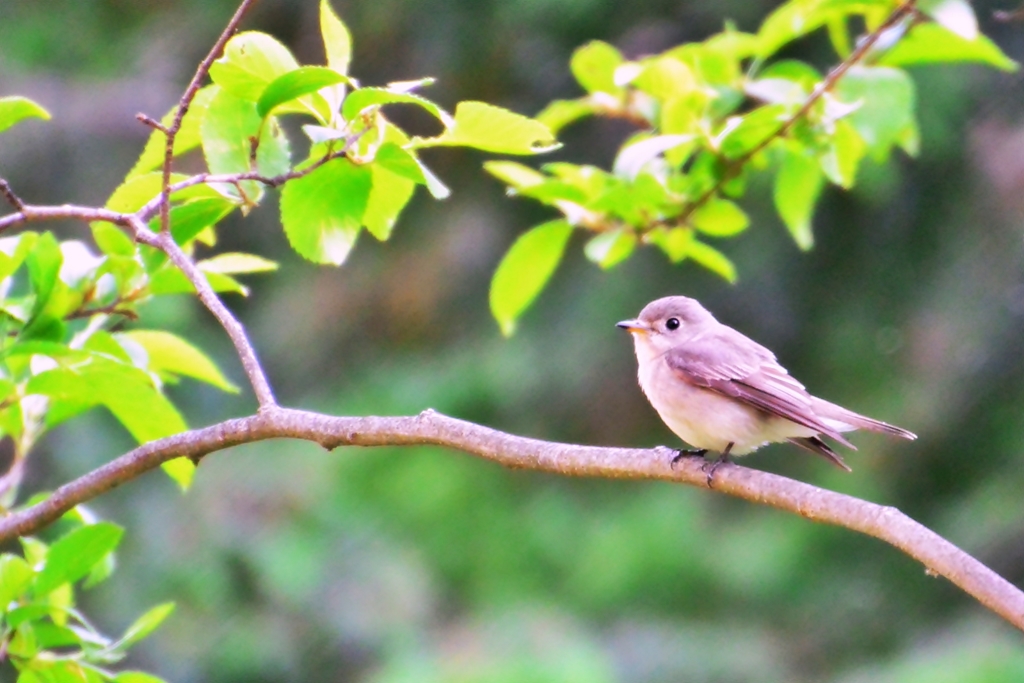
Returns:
(938,555)
(152,123)
(186,101)
(8,193)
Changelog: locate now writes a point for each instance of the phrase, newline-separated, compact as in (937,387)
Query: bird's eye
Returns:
(672,324)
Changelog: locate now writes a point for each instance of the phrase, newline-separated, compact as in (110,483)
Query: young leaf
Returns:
(73,555)
(337,40)
(145,625)
(712,259)
(525,270)
(292,85)
(514,174)
(250,62)
(494,129)
(632,158)
(719,218)
(135,677)
(594,66)
(322,211)
(840,159)
(797,187)
(609,248)
(169,353)
(233,263)
(16,109)
(560,113)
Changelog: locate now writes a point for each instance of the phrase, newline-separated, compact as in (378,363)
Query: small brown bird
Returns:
(720,391)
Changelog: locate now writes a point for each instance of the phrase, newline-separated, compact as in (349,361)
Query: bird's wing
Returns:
(734,365)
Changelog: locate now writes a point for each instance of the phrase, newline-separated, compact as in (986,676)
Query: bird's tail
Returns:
(844,420)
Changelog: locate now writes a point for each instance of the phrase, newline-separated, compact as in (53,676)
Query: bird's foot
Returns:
(710,468)
(681,453)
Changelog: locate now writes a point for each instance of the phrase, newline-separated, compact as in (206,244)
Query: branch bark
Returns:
(938,555)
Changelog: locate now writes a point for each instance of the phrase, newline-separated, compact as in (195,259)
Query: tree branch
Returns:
(938,555)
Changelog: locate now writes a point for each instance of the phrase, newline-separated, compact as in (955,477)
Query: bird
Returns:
(722,392)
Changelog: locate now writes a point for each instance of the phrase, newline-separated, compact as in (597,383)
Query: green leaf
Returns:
(44,263)
(931,43)
(322,211)
(337,40)
(494,129)
(170,280)
(389,194)
(665,78)
(712,259)
(610,248)
(560,113)
(797,187)
(514,174)
(295,84)
(170,354)
(228,132)
(145,625)
(112,240)
(594,66)
(192,217)
(250,62)
(632,158)
(124,390)
(675,242)
(73,555)
(842,155)
(525,269)
(886,113)
(359,100)
(719,218)
(16,109)
(136,677)
(15,577)
(233,262)
(751,130)
(187,138)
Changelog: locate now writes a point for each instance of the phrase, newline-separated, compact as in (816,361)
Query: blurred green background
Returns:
(410,565)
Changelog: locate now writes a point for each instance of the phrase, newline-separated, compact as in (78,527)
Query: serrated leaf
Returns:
(73,555)
(169,353)
(250,62)
(719,218)
(931,43)
(493,129)
(594,66)
(15,577)
(797,186)
(305,80)
(712,259)
(152,155)
(16,109)
(608,249)
(337,40)
(525,269)
(322,211)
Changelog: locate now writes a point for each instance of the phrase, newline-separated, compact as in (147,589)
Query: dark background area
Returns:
(402,565)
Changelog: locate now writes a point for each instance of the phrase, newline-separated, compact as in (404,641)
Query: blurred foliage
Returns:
(410,564)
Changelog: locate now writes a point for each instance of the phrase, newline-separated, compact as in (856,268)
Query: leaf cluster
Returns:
(711,114)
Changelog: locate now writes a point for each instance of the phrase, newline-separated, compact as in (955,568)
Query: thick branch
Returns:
(886,523)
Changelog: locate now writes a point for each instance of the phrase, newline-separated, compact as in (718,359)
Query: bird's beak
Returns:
(633,326)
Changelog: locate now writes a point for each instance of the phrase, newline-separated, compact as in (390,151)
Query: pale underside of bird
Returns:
(720,391)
